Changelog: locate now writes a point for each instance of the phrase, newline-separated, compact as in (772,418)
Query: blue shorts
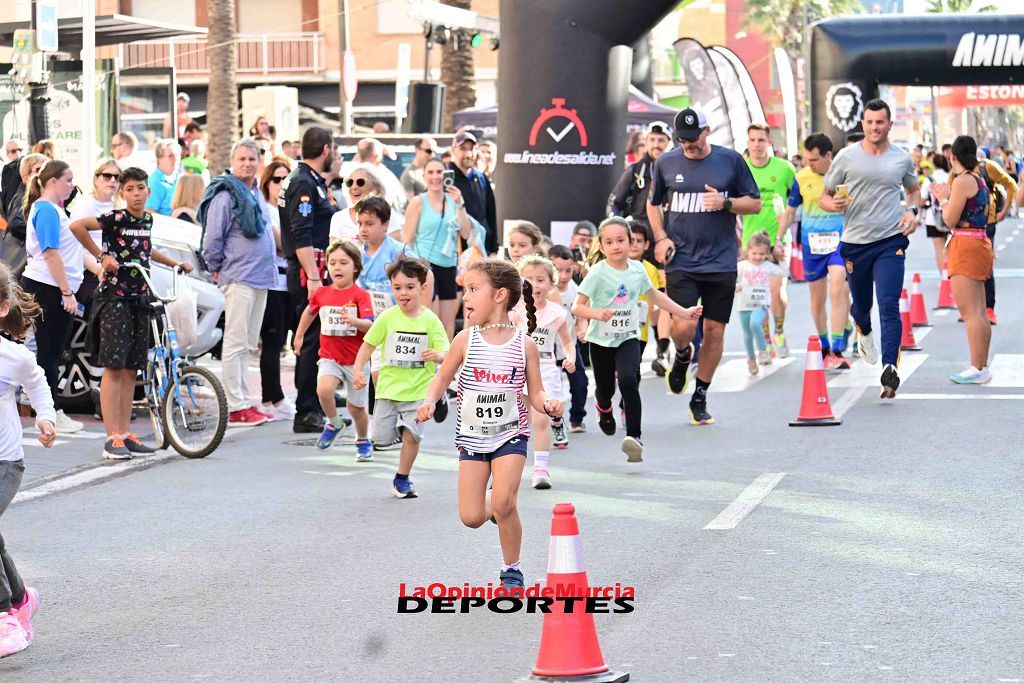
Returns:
(816,265)
(517,445)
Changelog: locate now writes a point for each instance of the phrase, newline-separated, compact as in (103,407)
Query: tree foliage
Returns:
(781,22)
(944,6)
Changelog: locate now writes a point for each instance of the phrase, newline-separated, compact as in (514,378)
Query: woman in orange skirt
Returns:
(969,254)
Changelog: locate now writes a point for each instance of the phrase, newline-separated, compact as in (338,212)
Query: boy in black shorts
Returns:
(119,326)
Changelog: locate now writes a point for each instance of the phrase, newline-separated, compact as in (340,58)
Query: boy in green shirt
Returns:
(412,339)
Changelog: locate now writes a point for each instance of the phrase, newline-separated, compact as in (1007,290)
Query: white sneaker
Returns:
(972,375)
(764,357)
(285,410)
(541,479)
(633,449)
(12,635)
(65,425)
(866,347)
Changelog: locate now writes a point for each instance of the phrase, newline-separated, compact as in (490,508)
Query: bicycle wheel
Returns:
(155,408)
(195,425)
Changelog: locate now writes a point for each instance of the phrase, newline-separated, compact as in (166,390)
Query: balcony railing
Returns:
(273,53)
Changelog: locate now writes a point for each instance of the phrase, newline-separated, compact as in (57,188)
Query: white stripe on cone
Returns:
(565,555)
(904,306)
(915,288)
(815,361)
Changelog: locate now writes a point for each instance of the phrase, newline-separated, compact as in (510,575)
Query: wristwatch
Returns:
(727,204)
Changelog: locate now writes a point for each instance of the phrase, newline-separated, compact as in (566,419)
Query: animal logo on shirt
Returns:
(621,296)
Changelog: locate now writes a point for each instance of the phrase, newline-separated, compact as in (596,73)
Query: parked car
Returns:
(79,380)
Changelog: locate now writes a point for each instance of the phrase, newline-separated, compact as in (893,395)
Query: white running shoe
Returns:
(633,449)
(866,347)
(65,425)
(972,375)
(285,410)
(541,479)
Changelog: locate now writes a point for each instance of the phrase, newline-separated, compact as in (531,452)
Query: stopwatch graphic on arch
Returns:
(558,111)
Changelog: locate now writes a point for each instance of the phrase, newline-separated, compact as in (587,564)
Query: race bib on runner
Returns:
(544,337)
(625,323)
(405,349)
(381,301)
(754,297)
(488,414)
(331,323)
(823,242)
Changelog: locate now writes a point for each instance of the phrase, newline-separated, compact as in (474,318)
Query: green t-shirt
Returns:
(620,290)
(404,376)
(774,180)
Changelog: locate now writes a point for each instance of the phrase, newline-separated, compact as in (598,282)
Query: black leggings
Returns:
(53,330)
(990,283)
(276,323)
(623,362)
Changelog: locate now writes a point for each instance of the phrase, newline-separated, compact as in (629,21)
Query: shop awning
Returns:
(111,29)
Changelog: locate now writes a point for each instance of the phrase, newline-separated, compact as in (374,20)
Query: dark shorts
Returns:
(715,291)
(122,331)
(816,265)
(515,446)
(932,231)
(444,282)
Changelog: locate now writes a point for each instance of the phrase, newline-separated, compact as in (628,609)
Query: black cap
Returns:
(689,124)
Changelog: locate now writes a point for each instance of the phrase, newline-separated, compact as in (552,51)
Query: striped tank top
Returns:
(490,408)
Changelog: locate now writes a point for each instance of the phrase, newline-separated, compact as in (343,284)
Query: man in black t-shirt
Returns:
(702,188)
(306,207)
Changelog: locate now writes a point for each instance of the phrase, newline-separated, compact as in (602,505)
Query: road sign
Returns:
(46,25)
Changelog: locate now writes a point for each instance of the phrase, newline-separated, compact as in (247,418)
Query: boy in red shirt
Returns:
(346,313)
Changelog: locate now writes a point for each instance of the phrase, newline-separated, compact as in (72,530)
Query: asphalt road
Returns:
(888,549)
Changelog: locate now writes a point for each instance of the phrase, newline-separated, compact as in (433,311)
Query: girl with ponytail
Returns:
(550,324)
(54,272)
(609,298)
(499,363)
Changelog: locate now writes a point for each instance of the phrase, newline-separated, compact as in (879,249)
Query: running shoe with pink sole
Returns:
(28,610)
(12,635)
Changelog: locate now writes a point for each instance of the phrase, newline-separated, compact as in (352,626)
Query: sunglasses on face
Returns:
(108,176)
(688,140)
(15,150)
(428,150)
(278,178)
(358,182)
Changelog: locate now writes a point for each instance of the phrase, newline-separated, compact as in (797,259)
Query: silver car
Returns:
(181,240)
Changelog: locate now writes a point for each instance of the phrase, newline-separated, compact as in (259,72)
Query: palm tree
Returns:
(457,71)
(222,98)
(944,6)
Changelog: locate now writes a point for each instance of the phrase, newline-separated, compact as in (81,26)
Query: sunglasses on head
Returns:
(358,182)
(108,176)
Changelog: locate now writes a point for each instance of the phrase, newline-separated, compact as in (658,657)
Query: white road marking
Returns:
(745,503)
(91,476)
(733,376)
(961,397)
(1001,247)
(864,375)
(35,442)
(1009,239)
(846,401)
(1007,370)
(922,332)
(943,313)
(77,435)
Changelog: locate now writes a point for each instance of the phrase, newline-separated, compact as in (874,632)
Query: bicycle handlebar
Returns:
(152,288)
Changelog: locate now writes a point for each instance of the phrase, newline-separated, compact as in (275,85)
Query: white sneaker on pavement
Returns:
(972,375)
(866,347)
(285,410)
(65,425)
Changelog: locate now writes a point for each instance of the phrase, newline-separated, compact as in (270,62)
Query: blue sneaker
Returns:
(326,439)
(511,578)
(402,487)
(364,450)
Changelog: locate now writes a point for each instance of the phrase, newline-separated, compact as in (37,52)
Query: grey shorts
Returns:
(391,417)
(325,367)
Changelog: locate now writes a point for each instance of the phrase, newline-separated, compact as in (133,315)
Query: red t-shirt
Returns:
(338,341)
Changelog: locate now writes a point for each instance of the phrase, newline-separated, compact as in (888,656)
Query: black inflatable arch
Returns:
(851,56)
(563,84)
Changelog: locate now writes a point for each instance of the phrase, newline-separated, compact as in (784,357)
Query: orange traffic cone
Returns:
(907,342)
(918,312)
(945,292)
(815,410)
(796,264)
(569,650)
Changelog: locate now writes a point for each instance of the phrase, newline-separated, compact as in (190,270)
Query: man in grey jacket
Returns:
(238,246)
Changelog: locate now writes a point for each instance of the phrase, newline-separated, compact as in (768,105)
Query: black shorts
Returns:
(715,291)
(932,231)
(514,446)
(444,282)
(122,333)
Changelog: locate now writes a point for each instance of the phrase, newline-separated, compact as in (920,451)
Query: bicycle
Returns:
(186,402)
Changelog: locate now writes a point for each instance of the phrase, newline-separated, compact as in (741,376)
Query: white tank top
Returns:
(545,335)
(490,408)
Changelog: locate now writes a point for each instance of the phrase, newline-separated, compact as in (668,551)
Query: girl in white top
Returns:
(54,271)
(362,182)
(496,359)
(17,368)
(552,323)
